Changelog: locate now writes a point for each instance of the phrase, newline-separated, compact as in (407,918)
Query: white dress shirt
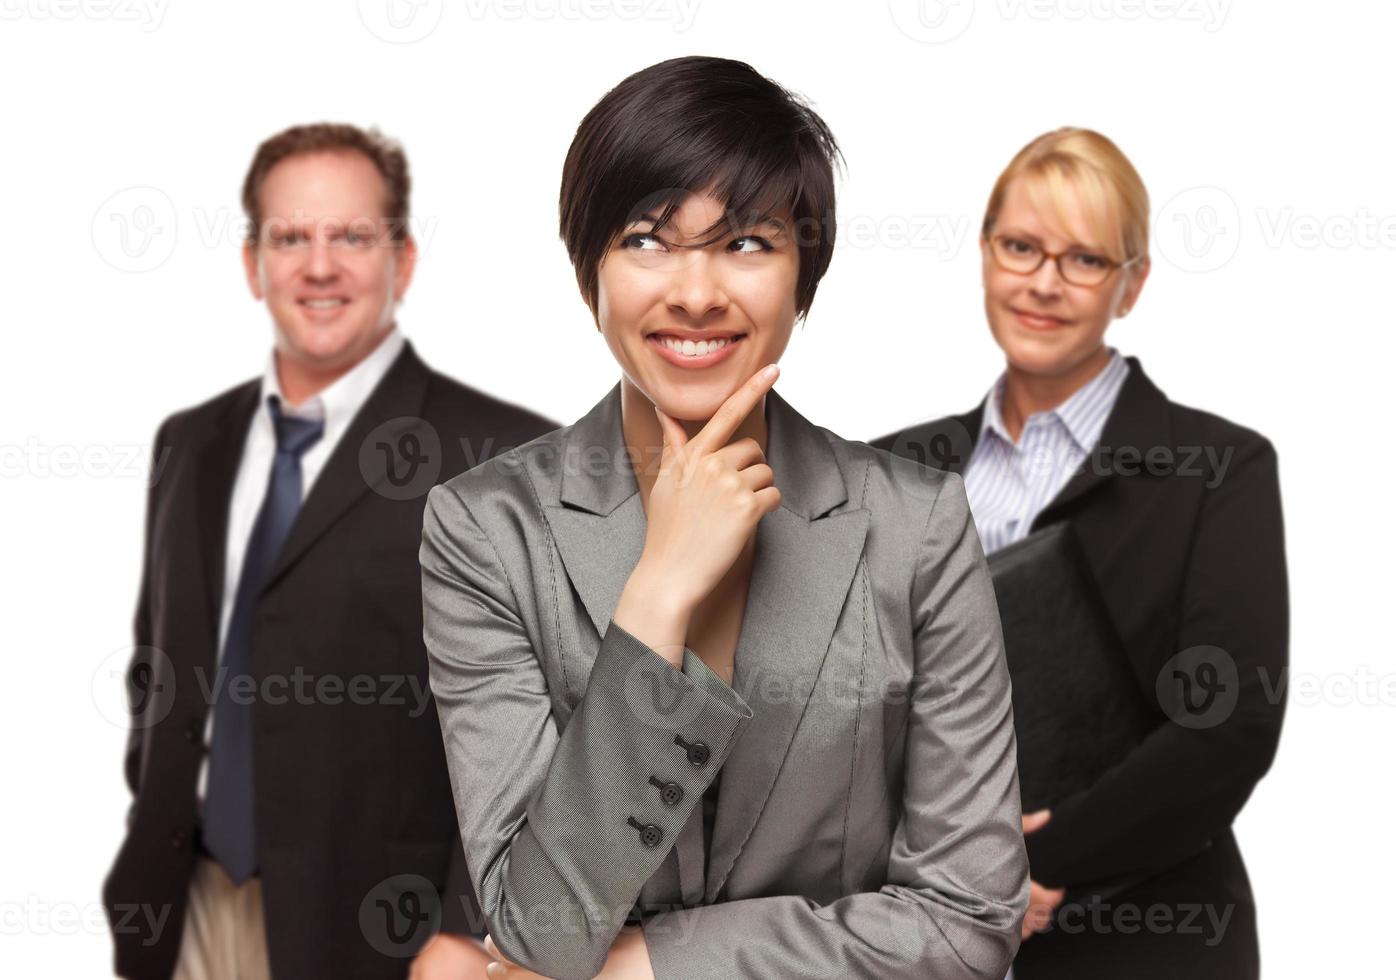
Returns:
(1007,483)
(336,406)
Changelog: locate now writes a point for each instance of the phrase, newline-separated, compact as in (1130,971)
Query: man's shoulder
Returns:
(208,413)
(464,410)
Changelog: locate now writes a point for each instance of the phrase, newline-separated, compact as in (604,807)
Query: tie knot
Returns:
(293,435)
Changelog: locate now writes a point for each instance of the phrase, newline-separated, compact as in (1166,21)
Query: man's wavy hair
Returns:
(385,154)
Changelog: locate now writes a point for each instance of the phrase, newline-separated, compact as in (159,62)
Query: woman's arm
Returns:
(957,876)
(545,816)
(1185,783)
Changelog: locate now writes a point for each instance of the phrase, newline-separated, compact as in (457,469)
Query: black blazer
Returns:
(354,804)
(1177,512)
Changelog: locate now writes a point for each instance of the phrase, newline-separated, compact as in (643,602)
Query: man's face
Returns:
(325,262)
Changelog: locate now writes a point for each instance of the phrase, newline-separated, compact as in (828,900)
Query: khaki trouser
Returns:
(225,935)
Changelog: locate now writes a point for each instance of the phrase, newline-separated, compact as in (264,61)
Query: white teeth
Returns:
(324,304)
(689,348)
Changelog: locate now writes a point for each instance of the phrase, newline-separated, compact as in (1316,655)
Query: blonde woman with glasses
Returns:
(1137,551)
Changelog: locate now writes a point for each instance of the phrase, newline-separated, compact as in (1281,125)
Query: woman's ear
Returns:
(1136,284)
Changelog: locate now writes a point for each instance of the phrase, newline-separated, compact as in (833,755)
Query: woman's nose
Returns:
(695,286)
(1046,282)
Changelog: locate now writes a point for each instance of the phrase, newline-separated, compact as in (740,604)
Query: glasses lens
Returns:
(1016,255)
(1085,268)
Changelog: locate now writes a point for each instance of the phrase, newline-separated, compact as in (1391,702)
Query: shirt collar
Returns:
(1083,414)
(341,399)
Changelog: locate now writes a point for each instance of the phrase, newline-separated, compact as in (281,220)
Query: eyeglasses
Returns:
(1077,266)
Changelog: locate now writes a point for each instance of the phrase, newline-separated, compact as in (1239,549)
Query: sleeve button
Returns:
(650,835)
(698,754)
(670,793)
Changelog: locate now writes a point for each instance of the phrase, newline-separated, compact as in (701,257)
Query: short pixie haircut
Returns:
(698,124)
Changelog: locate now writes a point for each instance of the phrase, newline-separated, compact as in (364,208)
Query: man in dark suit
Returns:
(292,812)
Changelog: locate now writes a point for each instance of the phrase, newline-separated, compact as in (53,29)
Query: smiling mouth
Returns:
(692,348)
(328,303)
(692,354)
(1038,321)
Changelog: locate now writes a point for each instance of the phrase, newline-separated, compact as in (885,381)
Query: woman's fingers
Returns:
(741,454)
(757,477)
(737,407)
(674,436)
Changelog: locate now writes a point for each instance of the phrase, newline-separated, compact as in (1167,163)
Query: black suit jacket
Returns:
(359,850)
(1178,515)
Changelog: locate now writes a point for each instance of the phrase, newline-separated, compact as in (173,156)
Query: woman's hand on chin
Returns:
(703,508)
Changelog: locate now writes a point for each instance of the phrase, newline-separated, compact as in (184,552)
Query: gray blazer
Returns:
(868,822)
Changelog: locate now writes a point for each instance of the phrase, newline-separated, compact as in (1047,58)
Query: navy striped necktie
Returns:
(229,829)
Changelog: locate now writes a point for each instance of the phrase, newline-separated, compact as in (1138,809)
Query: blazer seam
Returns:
(857,720)
(916,574)
(504,570)
(552,583)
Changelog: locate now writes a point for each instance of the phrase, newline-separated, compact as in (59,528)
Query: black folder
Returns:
(1077,708)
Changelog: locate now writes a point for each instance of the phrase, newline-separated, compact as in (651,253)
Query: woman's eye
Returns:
(1020,247)
(1088,260)
(750,243)
(642,240)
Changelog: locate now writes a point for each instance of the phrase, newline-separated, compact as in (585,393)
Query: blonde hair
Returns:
(1106,183)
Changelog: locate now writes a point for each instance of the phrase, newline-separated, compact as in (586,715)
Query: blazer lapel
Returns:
(804,564)
(390,414)
(215,469)
(599,524)
(1138,421)
(806,558)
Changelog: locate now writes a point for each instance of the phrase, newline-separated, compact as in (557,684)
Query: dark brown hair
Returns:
(698,124)
(385,154)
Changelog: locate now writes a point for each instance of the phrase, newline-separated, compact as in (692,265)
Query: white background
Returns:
(1263,131)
